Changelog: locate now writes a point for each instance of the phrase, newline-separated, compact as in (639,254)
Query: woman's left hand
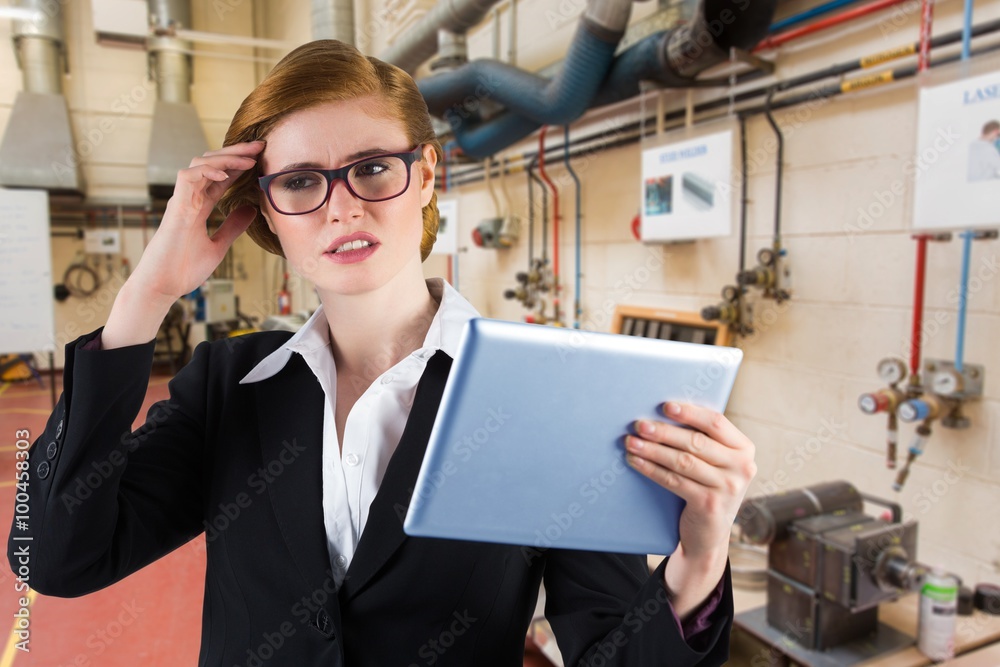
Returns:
(709,465)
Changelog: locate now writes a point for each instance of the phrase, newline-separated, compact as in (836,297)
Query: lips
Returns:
(356,238)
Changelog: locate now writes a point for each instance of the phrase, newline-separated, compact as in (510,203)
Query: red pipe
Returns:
(555,218)
(918,307)
(857,12)
(926,19)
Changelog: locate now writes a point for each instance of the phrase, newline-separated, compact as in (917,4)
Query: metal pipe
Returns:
(632,132)
(531,214)
(333,19)
(743,193)
(577,309)
(843,17)
(918,308)
(819,10)
(555,221)
(420,42)
(963,299)
(926,20)
(967,30)
(779,172)
(38,45)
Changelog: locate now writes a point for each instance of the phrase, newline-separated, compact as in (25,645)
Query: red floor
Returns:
(151,619)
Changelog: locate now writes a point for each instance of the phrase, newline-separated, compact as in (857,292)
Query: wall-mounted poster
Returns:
(957,165)
(447,237)
(684,188)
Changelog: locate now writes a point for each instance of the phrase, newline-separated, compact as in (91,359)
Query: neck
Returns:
(371,332)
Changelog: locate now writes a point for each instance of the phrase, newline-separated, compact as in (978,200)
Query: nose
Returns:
(341,204)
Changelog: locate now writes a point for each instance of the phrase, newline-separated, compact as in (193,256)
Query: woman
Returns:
(297,454)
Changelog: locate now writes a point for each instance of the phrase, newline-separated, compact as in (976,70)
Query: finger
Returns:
(711,423)
(241,162)
(248,148)
(686,488)
(683,463)
(235,224)
(683,439)
(198,174)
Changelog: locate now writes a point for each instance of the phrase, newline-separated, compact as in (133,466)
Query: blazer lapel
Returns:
(383,533)
(290,410)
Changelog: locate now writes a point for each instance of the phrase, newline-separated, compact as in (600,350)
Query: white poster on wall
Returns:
(957,165)
(447,237)
(26,298)
(685,189)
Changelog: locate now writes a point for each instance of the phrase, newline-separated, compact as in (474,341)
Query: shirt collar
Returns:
(444,333)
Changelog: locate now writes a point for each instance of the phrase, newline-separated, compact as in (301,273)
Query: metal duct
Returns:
(333,19)
(37,150)
(555,101)
(420,42)
(672,58)
(177,135)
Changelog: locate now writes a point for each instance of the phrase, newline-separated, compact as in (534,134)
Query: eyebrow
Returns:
(354,157)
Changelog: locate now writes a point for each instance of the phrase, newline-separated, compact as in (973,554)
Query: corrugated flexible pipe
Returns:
(672,58)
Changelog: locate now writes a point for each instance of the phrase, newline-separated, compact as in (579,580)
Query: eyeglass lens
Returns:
(375,179)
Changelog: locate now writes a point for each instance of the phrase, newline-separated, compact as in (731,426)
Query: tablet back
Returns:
(528,444)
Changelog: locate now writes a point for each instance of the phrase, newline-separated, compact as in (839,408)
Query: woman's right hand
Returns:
(181,255)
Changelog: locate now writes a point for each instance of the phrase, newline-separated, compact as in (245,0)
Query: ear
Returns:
(425,168)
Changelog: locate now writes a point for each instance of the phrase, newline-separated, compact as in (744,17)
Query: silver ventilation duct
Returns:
(37,150)
(177,135)
(420,42)
(333,19)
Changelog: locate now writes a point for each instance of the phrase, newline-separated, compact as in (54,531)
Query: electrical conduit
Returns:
(555,222)
(577,309)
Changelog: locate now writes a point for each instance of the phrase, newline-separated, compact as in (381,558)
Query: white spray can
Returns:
(938,608)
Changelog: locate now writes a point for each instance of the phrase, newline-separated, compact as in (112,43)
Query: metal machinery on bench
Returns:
(829,567)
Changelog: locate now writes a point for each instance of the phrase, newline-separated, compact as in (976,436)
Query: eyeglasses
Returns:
(373,179)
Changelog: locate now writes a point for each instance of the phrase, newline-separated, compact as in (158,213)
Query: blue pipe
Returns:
(967,31)
(963,299)
(555,101)
(577,310)
(672,58)
(819,10)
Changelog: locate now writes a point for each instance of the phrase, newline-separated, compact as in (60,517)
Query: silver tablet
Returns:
(528,444)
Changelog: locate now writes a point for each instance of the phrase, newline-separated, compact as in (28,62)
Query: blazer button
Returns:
(323,623)
(59,428)
(43,469)
(51,450)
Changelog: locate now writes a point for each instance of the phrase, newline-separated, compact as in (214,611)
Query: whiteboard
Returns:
(27,322)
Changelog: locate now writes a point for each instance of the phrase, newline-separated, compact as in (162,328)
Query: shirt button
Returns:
(387,379)
(341,561)
(43,469)
(51,450)
(351,459)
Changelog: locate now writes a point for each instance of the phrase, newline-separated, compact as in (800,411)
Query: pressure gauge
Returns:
(765,256)
(730,292)
(947,383)
(891,370)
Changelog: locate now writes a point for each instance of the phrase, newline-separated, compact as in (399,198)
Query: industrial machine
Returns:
(829,567)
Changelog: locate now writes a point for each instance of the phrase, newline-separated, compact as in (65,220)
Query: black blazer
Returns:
(242,463)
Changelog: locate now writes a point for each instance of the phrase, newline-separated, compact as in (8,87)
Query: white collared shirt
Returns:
(352,474)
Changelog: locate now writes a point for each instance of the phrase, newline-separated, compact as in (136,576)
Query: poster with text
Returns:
(957,164)
(684,188)
(447,237)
